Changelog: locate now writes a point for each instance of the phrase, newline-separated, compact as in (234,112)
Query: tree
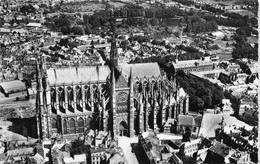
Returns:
(77,30)
(224,78)
(64,42)
(63,21)
(225,38)
(200,103)
(235,102)
(88,30)
(154,21)
(78,147)
(27,9)
(86,19)
(65,30)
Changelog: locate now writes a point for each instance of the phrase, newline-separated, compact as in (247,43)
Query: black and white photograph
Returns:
(129,82)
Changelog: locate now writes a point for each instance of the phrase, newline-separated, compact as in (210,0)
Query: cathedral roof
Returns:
(77,75)
(140,70)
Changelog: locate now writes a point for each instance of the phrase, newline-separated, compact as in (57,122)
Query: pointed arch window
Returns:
(80,125)
(64,126)
(72,126)
(53,97)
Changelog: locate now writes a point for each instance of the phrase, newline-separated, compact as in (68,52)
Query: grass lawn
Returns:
(224,52)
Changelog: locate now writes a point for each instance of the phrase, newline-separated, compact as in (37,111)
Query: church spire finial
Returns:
(113,51)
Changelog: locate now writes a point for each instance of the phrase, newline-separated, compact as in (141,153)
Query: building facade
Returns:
(127,100)
(188,66)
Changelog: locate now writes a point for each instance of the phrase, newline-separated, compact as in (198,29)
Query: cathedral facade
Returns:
(125,100)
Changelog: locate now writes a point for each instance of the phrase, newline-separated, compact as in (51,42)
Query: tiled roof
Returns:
(12,85)
(98,150)
(77,75)
(186,120)
(170,122)
(190,63)
(219,148)
(37,158)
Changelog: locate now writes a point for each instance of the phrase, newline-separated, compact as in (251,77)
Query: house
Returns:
(13,90)
(32,24)
(250,116)
(169,126)
(78,159)
(119,21)
(193,65)
(217,34)
(149,150)
(97,155)
(185,121)
(217,153)
(226,108)
(117,158)
(18,155)
(191,147)
(36,159)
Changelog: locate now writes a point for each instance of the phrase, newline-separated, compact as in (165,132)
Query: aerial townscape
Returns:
(129,82)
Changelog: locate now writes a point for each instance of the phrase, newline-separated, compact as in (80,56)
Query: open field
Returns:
(225,2)
(117,4)
(224,53)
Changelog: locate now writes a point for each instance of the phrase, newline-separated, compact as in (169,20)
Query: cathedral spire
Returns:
(113,80)
(113,51)
(113,103)
(132,108)
(131,80)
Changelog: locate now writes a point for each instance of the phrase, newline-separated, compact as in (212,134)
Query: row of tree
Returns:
(203,93)
(137,11)
(197,25)
(190,56)
(232,22)
(243,49)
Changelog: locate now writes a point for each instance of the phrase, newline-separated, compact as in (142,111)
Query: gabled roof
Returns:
(116,158)
(140,70)
(12,85)
(37,158)
(170,122)
(2,157)
(20,152)
(220,149)
(77,75)
(198,120)
(32,24)
(186,120)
